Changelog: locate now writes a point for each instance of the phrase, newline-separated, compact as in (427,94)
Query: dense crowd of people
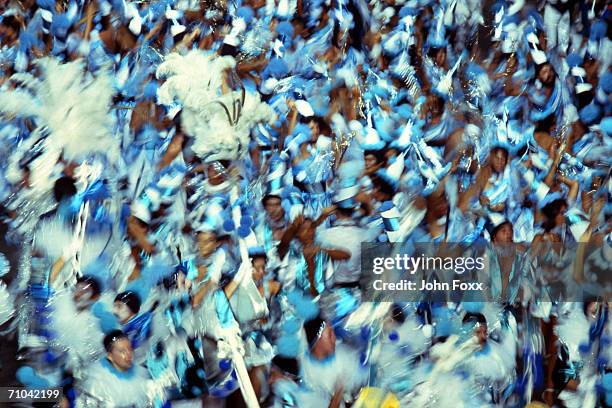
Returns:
(189,184)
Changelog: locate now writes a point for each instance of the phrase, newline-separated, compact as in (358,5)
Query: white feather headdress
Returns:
(220,123)
(70,108)
(7,309)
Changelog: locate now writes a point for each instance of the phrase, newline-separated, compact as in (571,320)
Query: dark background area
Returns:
(8,343)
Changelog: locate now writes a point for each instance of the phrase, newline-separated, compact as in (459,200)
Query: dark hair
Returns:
(539,68)
(438,104)
(172,280)
(312,328)
(550,211)
(345,212)
(433,50)
(378,154)
(268,197)
(286,365)
(11,22)
(130,299)
(397,314)
(227,49)
(112,337)
(588,301)
(502,149)
(64,187)
(495,230)
(259,255)
(383,186)
(93,284)
(335,33)
(324,128)
(474,318)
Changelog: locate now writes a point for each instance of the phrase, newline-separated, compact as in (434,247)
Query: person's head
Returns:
(306,233)
(207,243)
(119,350)
(372,159)
(64,188)
(591,309)
(545,73)
(591,66)
(435,105)
(499,159)
(126,306)
(86,292)
(503,233)
(346,213)
(284,368)
(273,207)
(479,324)
(438,54)
(554,213)
(259,266)
(383,190)
(319,126)
(320,337)
(9,30)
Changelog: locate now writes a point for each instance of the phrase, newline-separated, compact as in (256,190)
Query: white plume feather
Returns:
(77,333)
(257,40)
(72,105)
(220,123)
(7,309)
(18,101)
(573,331)
(193,79)
(52,236)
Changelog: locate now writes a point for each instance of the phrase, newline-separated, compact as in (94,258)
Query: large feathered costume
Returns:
(70,110)
(76,332)
(572,331)
(7,308)
(219,122)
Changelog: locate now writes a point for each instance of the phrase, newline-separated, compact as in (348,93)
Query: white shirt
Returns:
(347,236)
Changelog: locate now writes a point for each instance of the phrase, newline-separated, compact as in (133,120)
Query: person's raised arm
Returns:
(574,188)
(288,235)
(56,269)
(475,189)
(251,65)
(324,215)
(173,150)
(550,177)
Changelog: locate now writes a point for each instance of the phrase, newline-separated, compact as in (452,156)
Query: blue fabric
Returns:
(549,107)
(138,328)
(598,30)
(606,125)
(285,28)
(574,60)
(223,309)
(277,68)
(246,13)
(108,321)
(29,378)
(605,82)
(590,113)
